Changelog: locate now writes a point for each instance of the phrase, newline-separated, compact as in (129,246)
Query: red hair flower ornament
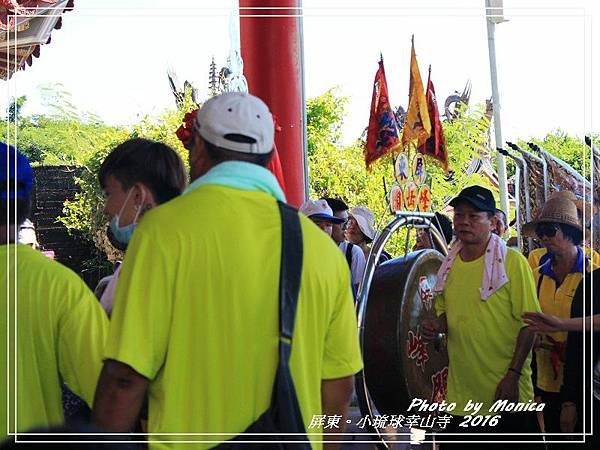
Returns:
(185,131)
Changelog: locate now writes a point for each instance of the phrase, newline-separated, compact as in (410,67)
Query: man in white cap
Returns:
(354,254)
(195,324)
(321,214)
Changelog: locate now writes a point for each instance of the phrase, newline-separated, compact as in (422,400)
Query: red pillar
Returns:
(272,54)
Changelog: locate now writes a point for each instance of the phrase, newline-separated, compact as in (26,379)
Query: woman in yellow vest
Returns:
(557,274)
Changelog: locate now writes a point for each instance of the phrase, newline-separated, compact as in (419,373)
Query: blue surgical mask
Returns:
(123,234)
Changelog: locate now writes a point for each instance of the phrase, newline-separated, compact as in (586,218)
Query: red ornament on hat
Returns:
(184,132)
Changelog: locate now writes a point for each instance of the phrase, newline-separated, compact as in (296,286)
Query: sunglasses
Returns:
(546,229)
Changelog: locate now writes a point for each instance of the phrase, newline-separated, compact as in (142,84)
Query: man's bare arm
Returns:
(540,321)
(119,397)
(508,388)
(523,348)
(335,399)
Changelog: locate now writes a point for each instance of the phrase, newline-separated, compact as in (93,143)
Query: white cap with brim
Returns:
(319,209)
(237,113)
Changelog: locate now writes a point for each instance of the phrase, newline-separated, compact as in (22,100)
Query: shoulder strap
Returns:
(349,254)
(289,275)
(284,402)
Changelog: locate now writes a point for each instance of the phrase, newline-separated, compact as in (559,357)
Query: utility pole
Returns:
(494,14)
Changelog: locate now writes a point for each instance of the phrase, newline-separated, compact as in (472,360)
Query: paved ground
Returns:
(356,441)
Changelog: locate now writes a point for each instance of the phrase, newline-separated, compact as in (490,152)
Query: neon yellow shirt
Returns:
(482,335)
(196,312)
(60,329)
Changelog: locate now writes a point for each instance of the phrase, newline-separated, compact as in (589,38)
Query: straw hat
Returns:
(558,209)
(581,204)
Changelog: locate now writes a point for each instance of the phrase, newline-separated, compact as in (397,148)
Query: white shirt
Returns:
(357,268)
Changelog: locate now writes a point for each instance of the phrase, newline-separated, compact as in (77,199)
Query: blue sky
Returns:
(112,56)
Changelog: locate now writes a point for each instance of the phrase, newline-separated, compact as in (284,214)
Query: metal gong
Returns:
(399,364)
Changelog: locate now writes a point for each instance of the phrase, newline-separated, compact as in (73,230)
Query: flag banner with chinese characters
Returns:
(411,190)
(382,135)
(417,126)
(435,145)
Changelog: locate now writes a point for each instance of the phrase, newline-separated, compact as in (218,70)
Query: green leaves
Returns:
(571,150)
(337,171)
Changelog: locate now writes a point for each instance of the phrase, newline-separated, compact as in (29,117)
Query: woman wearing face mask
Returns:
(136,176)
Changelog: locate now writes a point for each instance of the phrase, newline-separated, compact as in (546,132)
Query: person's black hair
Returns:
(336,204)
(218,154)
(571,233)
(504,217)
(152,163)
(7,205)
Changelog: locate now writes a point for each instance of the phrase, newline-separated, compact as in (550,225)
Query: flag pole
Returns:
(491,19)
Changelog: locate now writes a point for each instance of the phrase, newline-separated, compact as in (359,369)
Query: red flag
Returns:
(435,145)
(382,135)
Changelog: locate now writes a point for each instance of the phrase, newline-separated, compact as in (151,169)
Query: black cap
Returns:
(480,197)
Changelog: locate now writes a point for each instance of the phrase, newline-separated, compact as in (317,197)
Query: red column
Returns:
(272,54)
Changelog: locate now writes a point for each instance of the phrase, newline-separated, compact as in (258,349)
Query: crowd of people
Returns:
(183,338)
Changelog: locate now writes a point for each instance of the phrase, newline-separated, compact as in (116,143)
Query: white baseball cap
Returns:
(364,218)
(26,234)
(236,113)
(319,209)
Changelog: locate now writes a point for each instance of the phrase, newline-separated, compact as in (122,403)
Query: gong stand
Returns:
(392,300)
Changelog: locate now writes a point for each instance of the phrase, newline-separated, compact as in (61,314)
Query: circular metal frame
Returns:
(405,219)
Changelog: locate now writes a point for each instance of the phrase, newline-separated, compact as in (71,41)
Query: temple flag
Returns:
(382,134)
(417,125)
(435,145)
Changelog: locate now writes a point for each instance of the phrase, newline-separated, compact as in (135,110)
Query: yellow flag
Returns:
(417,125)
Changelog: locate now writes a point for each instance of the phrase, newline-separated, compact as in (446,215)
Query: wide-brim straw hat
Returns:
(586,209)
(558,209)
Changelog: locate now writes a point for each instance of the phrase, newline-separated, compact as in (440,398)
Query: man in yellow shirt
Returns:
(485,287)
(195,323)
(58,324)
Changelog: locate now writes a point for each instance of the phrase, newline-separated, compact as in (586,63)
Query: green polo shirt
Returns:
(482,334)
(196,312)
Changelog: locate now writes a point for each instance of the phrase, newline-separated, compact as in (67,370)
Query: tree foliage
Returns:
(66,135)
(571,150)
(338,171)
